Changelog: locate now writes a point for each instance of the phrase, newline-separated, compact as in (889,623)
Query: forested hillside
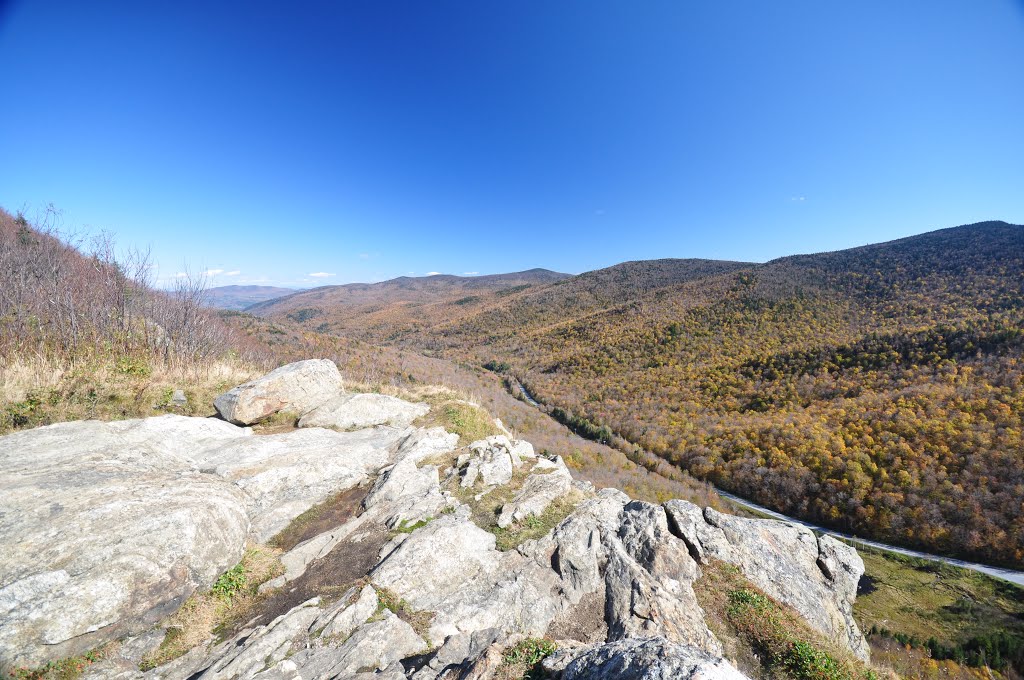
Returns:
(877,390)
(393,308)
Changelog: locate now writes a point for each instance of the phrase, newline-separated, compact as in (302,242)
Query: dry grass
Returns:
(203,614)
(536,526)
(37,391)
(451,409)
(333,512)
(70,668)
(463,418)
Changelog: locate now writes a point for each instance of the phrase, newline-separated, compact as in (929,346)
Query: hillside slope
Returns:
(370,309)
(877,390)
(239,297)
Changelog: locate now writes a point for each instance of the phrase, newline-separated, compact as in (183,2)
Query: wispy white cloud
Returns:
(798,199)
(321,275)
(233,273)
(470,273)
(432,274)
(213,272)
(364,256)
(181,275)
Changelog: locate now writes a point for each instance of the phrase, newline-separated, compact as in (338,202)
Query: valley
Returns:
(875,391)
(1013,576)
(915,613)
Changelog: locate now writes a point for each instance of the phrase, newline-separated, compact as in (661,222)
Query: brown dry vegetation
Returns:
(233,597)
(83,334)
(66,295)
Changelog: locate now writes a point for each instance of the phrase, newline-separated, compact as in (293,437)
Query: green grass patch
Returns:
(535,526)
(522,661)
(763,622)
(470,422)
(407,527)
(233,596)
(230,583)
(940,607)
(390,601)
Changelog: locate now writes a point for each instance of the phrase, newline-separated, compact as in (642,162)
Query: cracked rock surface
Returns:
(115,524)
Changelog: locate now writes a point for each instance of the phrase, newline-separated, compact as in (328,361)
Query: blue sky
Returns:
(367,140)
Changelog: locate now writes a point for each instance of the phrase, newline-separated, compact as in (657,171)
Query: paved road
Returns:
(998,572)
(526,395)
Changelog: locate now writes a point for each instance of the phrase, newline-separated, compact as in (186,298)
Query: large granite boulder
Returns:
(107,529)
(296,388)
(112,525)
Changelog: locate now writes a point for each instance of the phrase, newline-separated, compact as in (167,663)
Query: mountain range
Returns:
(240,297)
(876,389)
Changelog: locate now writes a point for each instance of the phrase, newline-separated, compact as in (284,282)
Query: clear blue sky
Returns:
(372,139)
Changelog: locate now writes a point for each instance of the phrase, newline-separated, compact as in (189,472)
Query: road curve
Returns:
(1016,577)
(1010,575)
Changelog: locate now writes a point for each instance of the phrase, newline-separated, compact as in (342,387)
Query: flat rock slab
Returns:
(283,475)
(652,658)
(110,526)
(356,411)
(295,388)
(105,534)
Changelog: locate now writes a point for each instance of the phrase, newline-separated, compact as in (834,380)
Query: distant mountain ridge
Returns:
(408,300)
(238,298)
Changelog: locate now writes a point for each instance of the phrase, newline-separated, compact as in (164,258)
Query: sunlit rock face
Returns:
(114,525)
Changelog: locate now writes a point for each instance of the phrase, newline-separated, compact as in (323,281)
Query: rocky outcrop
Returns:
(489,461)
(816,576)
(108,527)
(296,388)
(354,411)
(651,658)
(539,491)
(114,524)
